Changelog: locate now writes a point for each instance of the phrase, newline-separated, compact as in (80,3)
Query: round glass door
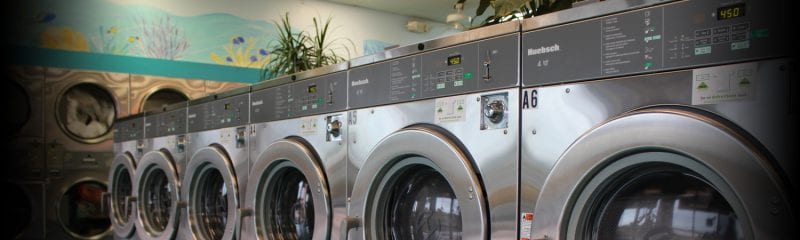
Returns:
(157,200)
(86,112)
(422,205)
(18,211)
(287,207)
(416,201)
(80,210)
(211,204)
(162,98)
(122,188)
(656,200)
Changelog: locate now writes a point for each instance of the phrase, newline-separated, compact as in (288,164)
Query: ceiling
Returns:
(433,10)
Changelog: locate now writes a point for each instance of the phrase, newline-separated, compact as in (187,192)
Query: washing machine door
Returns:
(80,212)
(211,191)
(418,183)
(122,197)
(289,195)
(664,173)
(157,188)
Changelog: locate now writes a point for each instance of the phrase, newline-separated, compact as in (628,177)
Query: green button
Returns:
(761,33)
(467,75)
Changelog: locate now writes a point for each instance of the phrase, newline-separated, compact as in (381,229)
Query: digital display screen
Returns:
(453,60)
(227,106)
(730,12)
(312,89)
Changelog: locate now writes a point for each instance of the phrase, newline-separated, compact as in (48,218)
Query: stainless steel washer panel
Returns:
(332,156)
(494,152)
(566,112)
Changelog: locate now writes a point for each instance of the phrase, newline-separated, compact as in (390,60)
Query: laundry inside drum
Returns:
(86,111)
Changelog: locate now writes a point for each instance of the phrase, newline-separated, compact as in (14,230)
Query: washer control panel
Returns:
(318,95)
(225,111)
(672,36)
(470,67)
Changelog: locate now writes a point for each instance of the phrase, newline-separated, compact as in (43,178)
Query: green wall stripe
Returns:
(134,65)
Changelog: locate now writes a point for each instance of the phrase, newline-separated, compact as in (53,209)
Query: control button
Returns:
(722,30)
(721,39)
(468,75)
(741,27)
(449,73)
(739,36)
(459,71)
(440,74)
(703,41)
(702,33)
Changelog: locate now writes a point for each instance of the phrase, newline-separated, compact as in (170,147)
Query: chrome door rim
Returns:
(202,161)
(699,137)
(151,162)
(451,162)
(122,162)
(282,154)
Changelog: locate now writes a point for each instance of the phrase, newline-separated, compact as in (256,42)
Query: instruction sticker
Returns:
(450,109)
(525,225)
(308,125)
(731,83)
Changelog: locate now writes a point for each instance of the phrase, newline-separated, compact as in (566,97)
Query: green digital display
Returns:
(730,12)
(453,60)
(312,89)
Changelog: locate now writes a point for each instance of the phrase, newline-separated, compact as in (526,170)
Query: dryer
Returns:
(297,187)
(433,141)
(24,211)
(663,121)
(159,172)
(128,151)
(218,167)
(74,194)
(84,105)
(152,93)
(25,133)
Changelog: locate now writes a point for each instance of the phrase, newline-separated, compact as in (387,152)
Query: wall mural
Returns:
(104,27)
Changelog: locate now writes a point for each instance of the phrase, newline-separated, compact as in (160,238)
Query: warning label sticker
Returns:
(525,225)
(450,109)
(722,84)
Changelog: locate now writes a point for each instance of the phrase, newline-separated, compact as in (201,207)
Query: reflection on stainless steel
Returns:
(121,192)
(422,205)
(157,200)
(290,213)
(212,205)
(673,204)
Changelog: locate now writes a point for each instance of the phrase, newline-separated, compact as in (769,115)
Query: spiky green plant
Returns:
(298,51)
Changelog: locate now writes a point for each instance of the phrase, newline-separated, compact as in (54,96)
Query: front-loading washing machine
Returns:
(433,141)
(297,187)
(218,166)
(666,121)
(152,93)
(158,173)
(128,151)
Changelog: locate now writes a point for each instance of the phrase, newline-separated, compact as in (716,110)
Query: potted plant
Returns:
(506,10)
(298,51)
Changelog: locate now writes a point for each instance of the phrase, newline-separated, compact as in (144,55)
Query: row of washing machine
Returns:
(617,120)
(58,143)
